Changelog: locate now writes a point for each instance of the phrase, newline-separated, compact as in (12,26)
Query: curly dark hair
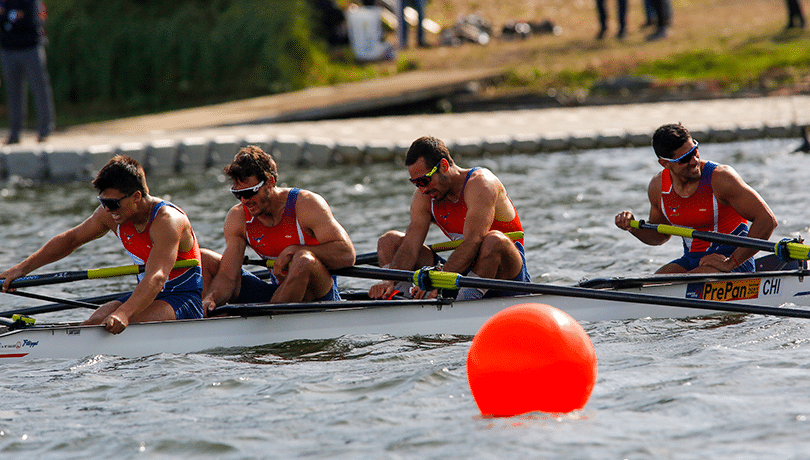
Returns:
(429,148)
(122,173)
(252,161)
(669,138)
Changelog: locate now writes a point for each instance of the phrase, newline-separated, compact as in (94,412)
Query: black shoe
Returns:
(620,34)
(11,141)
(601,34)
(659,34)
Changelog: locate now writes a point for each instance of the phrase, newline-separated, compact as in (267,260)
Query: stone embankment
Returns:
(194,140)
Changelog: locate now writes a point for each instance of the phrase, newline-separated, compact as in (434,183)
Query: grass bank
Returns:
(715,48)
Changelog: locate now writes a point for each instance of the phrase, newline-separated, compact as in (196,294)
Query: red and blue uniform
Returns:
(268,242)
(183,288)
(702,211)
(450,218)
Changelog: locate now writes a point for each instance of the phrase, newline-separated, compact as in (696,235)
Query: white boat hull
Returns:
(402,320)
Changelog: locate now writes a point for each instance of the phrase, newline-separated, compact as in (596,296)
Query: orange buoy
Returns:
(531,357)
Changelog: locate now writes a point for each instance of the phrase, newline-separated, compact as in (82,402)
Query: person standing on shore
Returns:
(22,57)
(705,196)
(795,15)
(621,16)
(663,12)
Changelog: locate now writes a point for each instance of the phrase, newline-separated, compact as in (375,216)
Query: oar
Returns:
(64,277)
(67,302)
(447,280)
(61,304)
(795,250)
(89,302)
(370,258)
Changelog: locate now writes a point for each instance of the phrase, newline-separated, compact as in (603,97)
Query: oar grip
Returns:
(429,278)
(109,272)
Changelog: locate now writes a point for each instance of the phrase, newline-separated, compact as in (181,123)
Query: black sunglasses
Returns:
(685,158)
(247,192)
(112,204)
(423,181)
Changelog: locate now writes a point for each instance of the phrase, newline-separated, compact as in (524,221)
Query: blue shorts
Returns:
(186,304)
(691,260)
(254,290)
(522,276)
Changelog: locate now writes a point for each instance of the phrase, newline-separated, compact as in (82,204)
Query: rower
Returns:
(154,232)
(294,227)
(469,204)
(704,196)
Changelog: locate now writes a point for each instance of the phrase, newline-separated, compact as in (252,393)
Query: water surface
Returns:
(720,387)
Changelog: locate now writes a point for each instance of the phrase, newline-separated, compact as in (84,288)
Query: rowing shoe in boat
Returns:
(660,296)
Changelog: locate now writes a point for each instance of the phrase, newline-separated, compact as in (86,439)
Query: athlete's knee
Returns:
(391,238)
(304,261)
(210,262)
(387,245)
(494,243)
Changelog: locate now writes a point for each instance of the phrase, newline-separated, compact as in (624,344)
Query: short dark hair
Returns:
(669,138)
(429,148)
(252,161)
(122,173)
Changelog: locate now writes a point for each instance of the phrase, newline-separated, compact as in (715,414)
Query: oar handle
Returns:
(785,249)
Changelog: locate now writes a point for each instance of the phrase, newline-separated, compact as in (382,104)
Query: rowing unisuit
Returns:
(450,217)
(139,245)
(268,242)
(700,211)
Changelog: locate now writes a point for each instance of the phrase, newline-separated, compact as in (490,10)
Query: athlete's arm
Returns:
(222,287)
(165,234)
(62,245)
(335,248)
(406,256)
(657,216)
(731,189)
(480,195)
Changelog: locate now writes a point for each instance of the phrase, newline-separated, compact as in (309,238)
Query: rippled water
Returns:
(720,387)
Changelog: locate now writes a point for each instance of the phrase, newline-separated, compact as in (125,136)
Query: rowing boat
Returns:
(261,324)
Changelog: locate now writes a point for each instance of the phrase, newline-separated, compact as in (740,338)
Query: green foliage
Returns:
(757,63)
(148,55)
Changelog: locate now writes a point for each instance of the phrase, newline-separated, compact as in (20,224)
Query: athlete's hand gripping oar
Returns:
(786,249)
(65,277)
(429,279)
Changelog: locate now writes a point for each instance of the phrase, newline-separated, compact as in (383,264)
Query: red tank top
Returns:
(268,242)
(450,217)
(139,244)
(700,211)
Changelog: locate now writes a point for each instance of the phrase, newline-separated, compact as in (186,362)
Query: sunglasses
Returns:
(685,158)
(112,204)
(423,181)
(247,192)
